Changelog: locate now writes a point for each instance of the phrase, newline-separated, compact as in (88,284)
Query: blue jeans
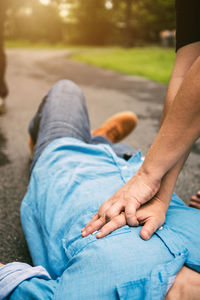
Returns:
(63,113)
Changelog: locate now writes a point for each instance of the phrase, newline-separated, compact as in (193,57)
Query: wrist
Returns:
(164,201)
(149,178)
(145,187)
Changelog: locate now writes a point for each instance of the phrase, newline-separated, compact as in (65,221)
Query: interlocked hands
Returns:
(126,206)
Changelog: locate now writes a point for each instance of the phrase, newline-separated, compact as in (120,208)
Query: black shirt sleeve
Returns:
(187,22)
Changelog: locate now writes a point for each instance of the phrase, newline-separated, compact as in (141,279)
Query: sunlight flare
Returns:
(45,2)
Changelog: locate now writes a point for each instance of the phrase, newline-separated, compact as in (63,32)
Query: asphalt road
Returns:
(30,74)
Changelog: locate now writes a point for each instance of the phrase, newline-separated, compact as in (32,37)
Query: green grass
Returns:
(151,62)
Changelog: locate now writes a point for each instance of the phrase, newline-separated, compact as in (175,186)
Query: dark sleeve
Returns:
(187,22)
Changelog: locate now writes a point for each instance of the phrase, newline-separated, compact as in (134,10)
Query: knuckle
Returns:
(104,207)
(102,219)
(89,228)
(135,202)
(159,221)
(130,214)
(110,214)
(151,228)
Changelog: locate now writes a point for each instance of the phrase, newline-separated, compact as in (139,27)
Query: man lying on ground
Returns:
(72,174)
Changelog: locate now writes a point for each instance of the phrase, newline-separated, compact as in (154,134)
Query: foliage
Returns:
(33,21)
(125,22)
(94,22)
(144,19)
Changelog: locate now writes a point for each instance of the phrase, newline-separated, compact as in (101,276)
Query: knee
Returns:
(67,87)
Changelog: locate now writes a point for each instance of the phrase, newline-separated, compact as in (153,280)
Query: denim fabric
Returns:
(69,182)
(63,113)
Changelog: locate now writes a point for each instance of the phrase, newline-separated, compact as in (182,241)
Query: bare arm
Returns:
(186,57)
(181,125)
(153,215)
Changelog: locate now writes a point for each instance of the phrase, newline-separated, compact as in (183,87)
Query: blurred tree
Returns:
(142,20)
(94,22)
(97,22)
(155,16)
(29,19)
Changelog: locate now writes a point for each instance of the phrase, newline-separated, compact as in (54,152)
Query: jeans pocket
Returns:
(135,290)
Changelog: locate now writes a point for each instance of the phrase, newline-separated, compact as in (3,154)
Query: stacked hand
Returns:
(126,206)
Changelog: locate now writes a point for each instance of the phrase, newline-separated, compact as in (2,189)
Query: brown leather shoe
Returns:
(117,127)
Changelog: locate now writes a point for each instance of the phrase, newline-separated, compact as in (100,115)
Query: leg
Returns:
(62,113)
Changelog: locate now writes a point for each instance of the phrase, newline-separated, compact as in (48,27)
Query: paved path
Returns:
(30,75)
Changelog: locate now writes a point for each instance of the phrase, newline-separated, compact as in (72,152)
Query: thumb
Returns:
(148,229)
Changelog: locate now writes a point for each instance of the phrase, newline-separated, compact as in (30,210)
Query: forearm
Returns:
(180,128)
(169,181)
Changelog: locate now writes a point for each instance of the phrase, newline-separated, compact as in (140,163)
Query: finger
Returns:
(114,211)
(94,218)
(130,213)
(101,212)
(141,216)
(114,224)
(195,198)
(149,228)
(104,207)
(198,194)
(195,204)
(94,226)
